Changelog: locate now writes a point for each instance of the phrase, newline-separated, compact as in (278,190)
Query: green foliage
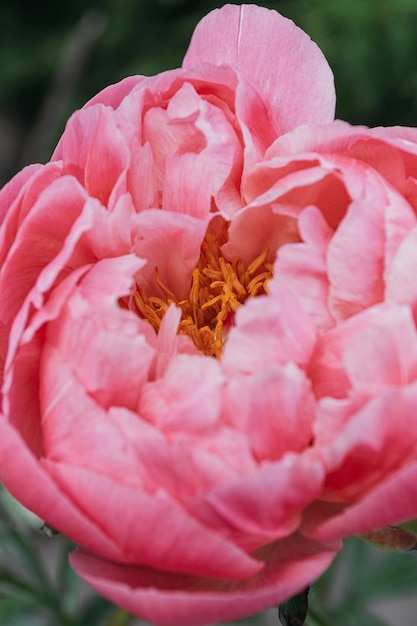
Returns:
(371,46)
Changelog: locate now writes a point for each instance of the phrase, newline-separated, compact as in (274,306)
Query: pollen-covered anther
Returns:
(218,288)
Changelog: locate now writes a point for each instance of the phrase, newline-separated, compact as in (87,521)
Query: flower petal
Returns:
(152,528)
(26,479)
(274,54)
(269,330)
(274,407)
(391,502)
(268,504)
(169,600)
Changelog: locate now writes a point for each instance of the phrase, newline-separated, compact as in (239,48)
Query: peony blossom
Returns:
(208,347)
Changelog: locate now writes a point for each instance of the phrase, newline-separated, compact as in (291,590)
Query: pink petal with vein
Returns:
(298,83)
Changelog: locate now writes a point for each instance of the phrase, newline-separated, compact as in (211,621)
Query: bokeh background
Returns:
(54,56)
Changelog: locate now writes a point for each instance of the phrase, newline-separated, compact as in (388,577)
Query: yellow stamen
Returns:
(218,288)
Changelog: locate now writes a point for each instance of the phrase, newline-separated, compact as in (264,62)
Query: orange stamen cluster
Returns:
(218,288)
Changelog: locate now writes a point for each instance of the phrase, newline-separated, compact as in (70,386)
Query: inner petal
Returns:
(218,288)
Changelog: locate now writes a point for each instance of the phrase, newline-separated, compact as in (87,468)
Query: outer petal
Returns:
(21,380)
(19,202)
(277,56)
(46,228)
(13,188)
(170,600)
(152,528)
(23,476)
(113,95)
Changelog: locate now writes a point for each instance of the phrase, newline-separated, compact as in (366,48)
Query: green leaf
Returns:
(10,584)
(96,611)
(411,526)
(23,546)
(19,612)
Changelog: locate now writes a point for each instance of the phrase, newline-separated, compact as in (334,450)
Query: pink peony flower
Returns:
(207,328)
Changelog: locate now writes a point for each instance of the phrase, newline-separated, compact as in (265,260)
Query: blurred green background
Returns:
(55,55)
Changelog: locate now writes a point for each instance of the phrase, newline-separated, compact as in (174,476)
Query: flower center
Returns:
(218,288)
